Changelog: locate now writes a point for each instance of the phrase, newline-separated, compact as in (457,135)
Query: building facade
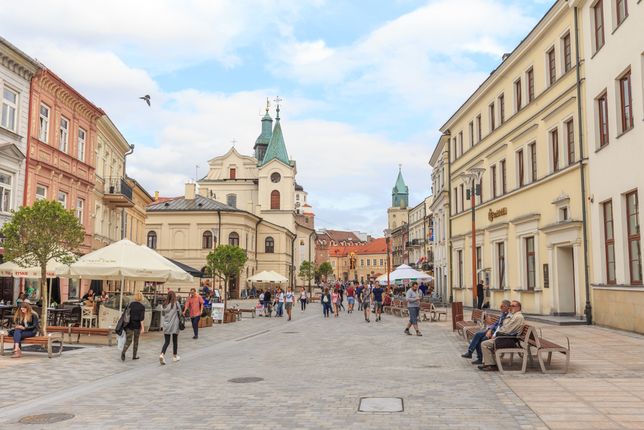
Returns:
(398,222)
(515,143)
(439,162)
(420,231)
(614,41)
(135,215)
(362,262)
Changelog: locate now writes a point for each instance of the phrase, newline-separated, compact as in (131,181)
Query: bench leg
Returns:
(2,344)
(49,342)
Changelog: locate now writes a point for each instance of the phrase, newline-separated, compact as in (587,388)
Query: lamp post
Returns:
(387,240)
(473,177)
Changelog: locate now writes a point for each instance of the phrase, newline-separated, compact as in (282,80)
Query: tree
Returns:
(225,262)
(325,270)
(307,272)
(45,231)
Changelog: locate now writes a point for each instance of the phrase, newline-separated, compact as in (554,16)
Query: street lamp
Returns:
(387,240)
(473,178)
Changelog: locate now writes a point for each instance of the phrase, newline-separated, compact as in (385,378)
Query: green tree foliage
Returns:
(39,233)
(307,271)
(225,262)
(325,270)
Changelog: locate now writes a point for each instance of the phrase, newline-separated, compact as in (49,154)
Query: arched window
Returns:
(152,240)
(206,240)
(275,199)
(233,239)
(231,200)
(269,245)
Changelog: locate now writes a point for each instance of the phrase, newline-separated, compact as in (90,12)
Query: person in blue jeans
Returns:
(26,325)
(280,302)
(326,302)
(479,337)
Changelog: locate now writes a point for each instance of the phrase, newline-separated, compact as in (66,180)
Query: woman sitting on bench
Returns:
(26,325)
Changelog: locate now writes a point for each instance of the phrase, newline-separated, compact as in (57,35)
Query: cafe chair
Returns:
(87,315)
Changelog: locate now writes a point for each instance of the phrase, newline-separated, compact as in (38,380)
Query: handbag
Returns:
(182,320)
(123,321)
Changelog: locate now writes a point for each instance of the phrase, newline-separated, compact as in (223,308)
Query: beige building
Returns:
(135,215)
(362,262)
(614,42)
(439,207)
(420,229)
(517,141)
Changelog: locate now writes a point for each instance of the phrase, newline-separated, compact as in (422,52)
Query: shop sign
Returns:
(497,213)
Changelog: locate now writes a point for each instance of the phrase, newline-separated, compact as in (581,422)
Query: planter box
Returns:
(205,322)
(230,317)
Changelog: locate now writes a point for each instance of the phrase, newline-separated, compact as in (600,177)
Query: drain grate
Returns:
(45,418)
(381,404)
(245,380)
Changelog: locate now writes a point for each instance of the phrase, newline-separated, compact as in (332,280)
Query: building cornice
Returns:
(17,61)
(67,96)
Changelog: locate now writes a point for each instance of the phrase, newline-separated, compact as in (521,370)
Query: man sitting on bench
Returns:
(511,327)
(487,333)
(26,321)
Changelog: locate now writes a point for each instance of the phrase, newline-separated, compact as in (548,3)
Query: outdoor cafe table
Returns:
(57,315)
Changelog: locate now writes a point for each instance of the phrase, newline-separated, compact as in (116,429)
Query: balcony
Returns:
(117,193)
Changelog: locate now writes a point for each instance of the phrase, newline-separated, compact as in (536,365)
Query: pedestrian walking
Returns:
(326,302)
(303,299)
(267,304)
(413,297)
(480,295)
(280,302)
(359,296)
(335,298)
(351,291)
(26,325)
(170,318)
(341,298)
(377,292)
(134,327)
(289,299)
(194,307)
(366,302)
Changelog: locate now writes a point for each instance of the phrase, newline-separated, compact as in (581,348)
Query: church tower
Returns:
(261,144)
(398,213)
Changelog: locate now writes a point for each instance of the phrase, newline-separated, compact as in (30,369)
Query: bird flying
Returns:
(146,98)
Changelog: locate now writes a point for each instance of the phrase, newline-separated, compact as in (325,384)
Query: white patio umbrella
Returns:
(9,268)
(404,273)
(267,276)
(125,261)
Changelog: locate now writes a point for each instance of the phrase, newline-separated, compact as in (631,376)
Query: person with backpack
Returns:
(134,315)
(267,304)
(326,302)
(171,322)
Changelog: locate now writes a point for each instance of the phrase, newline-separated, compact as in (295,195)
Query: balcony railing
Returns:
(117,192)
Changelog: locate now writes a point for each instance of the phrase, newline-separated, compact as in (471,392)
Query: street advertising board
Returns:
(218,311)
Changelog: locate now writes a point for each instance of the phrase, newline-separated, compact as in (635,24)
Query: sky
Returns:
(365,84)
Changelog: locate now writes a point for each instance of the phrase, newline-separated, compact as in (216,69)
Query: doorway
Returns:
(565,280)
(232,287)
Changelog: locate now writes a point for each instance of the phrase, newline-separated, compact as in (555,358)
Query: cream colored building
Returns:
(439,207)
(135,215)
(614,42)
(520,130)
(420,249)
(370,261)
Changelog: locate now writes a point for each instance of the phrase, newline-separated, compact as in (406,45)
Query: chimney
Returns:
(156,196)
(190,190)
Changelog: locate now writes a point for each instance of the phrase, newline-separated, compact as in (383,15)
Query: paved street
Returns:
(315,372)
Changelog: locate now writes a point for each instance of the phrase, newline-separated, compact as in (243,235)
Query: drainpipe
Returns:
(293,261)
(310,236)
(449,208)
(256,241)
(123,214)
(588,309)
(30,118)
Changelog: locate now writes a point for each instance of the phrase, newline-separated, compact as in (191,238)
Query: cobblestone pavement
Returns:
(315,372)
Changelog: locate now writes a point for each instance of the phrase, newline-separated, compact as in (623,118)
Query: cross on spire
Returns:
(268,105)
(233,142)
(277,101)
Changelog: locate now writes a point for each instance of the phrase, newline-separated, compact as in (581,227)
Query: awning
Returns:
(194,272)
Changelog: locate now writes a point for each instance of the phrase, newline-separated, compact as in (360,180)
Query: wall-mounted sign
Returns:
(497,213)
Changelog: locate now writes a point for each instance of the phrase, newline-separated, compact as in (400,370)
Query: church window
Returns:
(269,245)
(275,178)
(152,240)
(233,173)
(275,199)
(231,200)
(206,240)
(233,239)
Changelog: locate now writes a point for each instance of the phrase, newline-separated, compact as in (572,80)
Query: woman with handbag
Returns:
(172,324)
(134,327)
(26,325)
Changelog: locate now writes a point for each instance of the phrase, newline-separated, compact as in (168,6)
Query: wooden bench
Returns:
(476,319)
(471,330)
(69,330)
(544,346)
(252,312)
(436,313)
(47,341)
(522,348)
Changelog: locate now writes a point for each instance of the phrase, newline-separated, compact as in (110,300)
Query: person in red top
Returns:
(351,297)
(194,304)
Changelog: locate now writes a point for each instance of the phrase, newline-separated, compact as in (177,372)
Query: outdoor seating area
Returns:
(48,341)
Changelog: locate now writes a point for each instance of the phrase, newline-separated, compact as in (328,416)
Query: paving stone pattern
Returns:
(315,371)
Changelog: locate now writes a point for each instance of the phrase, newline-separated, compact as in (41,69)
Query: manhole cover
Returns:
(381,404)
(245,380)
(45,418)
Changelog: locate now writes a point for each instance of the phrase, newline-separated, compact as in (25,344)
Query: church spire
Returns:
(400,192)
(276,147)
(265,137)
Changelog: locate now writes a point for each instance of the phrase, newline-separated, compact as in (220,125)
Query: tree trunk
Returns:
(43,296)
(225,295)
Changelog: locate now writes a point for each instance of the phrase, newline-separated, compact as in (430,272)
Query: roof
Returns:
(376,246)
(267,130)
(298,187)
(339,236)
(400,187)
(277,148)
(199,203)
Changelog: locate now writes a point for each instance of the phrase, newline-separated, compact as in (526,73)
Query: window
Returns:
(552,66)
(81,144)
(459,254)
(493,176)
(5,192)
(478,259)
(275,199)
(570,141)
(471,133)
(563,214)
(530,262)
(501,109)
(368,262)
(479,133)
(530,78)
(598,16)
(382,262)
(626,106)
(62,198)
(269,245)
(276,177)
(233,239)
(460,141)
(602,109)
(492,117)
(500,264)
(41,192)
(609,242)
(517,95)
(456,200)
(152,240)
(567,52)
(462,197)
(232,173)
(533,161)
(503,178)
(43,133)
(374,262)
(231,200)
(622,10)
(9,107)
(634,250)
(63,134)
(520,167)
(206,240)
(362,262)
(554,148)
(481,190)
(80,210)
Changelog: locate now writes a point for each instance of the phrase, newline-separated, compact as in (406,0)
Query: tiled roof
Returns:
(340,236)
(376,246)
(200,203)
